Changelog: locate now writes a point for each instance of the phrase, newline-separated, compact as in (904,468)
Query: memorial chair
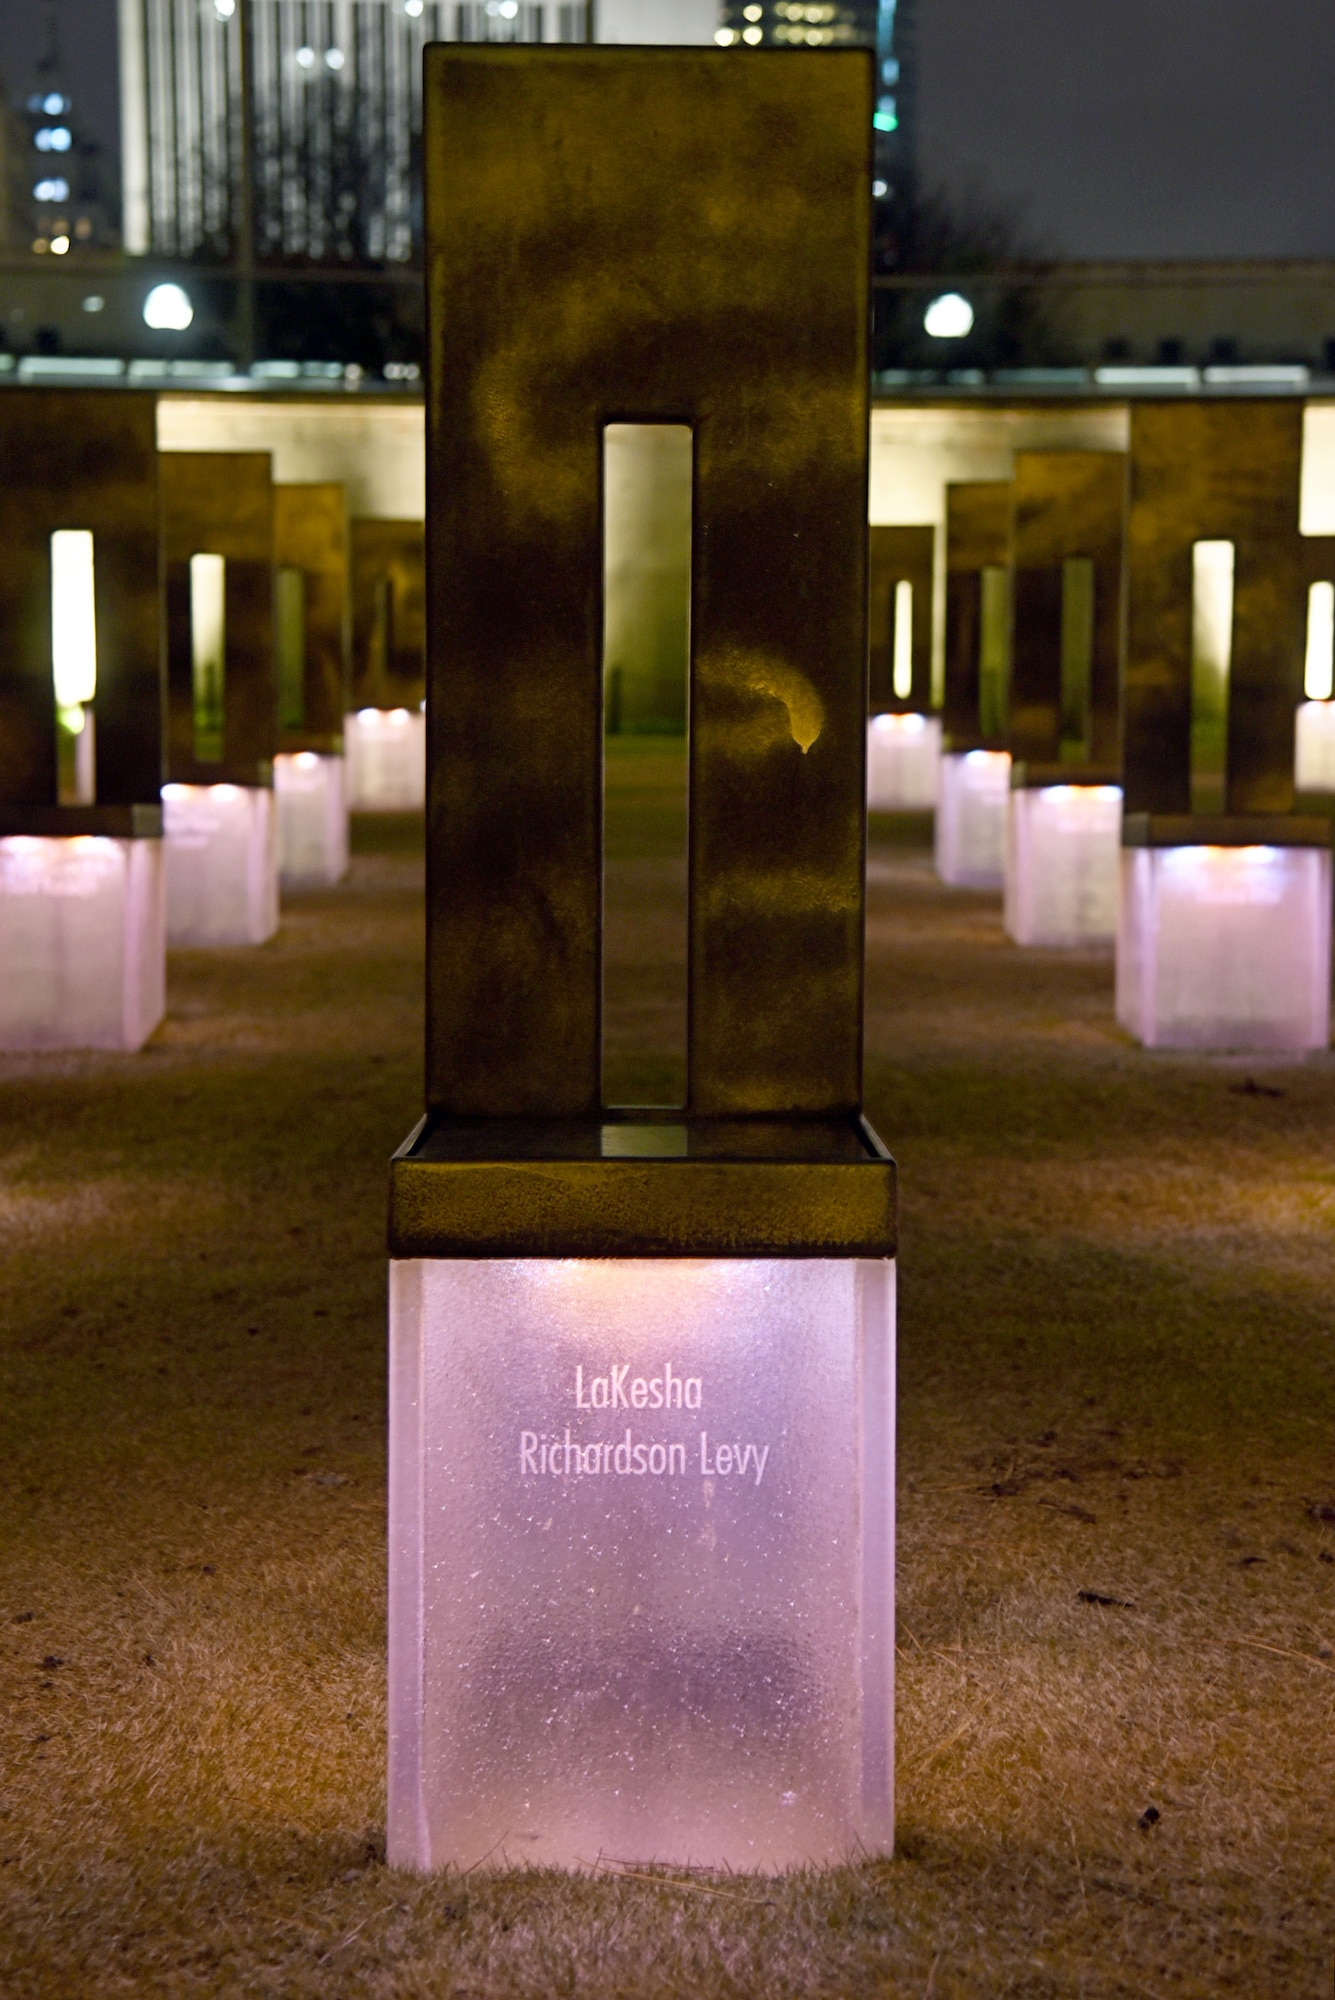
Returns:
(1065,818)
(218,560)
(903,733)
(385,732)
(82,901)
(311,644)
(1224,922)
(975,762)
(641,1441)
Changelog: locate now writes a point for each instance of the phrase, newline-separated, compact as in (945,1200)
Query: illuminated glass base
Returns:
(971,818)
(903,762)
(641,1539)
(1225,947)
(312,820)
(222,864)
(1314,746)
(1062,848)
(385,749)
(82,942)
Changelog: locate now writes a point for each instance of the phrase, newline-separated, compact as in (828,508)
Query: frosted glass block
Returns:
(903,762)
(1062,849)
(641,1561)
(82,942)
(971,812)
(312,820)
(385,750)
(1225,947)
(1314,746)
(222,864)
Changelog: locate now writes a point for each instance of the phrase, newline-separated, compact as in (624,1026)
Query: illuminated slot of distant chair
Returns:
(1225,947)
(1211,663)
(1062,844)
(971,813)
(1314,723)
(74,664)
(385,751)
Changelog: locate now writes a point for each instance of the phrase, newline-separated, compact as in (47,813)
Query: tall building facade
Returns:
(334,119)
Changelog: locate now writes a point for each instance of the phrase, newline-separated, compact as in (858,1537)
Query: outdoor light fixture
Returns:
(948,317)
(1224,911)
(82,943)
(641,1430)
(218,558)
(167,309)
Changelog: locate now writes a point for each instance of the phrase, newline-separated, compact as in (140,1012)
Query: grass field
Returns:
(1117,1545)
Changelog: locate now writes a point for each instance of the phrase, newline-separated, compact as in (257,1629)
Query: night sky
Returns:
(1138,128)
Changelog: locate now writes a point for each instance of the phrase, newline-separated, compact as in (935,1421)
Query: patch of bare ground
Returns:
(1116,1651)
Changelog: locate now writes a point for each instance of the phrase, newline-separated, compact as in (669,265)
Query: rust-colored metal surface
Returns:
(80,459)
(1201,471)
(978,522)
(1226,829)
(716,1187)
(1318,559)
(388,613)
(1065,505)
(311,536)
(899,555)
(578,274)
(596,253)
(221,503)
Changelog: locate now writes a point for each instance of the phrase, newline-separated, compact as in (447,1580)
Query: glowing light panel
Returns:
(1225,947)
(903,762)
(385,752)
(1062,847)
(971,819)
(637,1595)
(222,864)
(312,820)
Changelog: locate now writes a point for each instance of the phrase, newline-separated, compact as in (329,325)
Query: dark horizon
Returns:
(1121,128)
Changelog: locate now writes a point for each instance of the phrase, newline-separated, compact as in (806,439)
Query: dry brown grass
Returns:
(1116,1372)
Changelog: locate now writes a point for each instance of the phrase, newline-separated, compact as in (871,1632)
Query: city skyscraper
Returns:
(323,145)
